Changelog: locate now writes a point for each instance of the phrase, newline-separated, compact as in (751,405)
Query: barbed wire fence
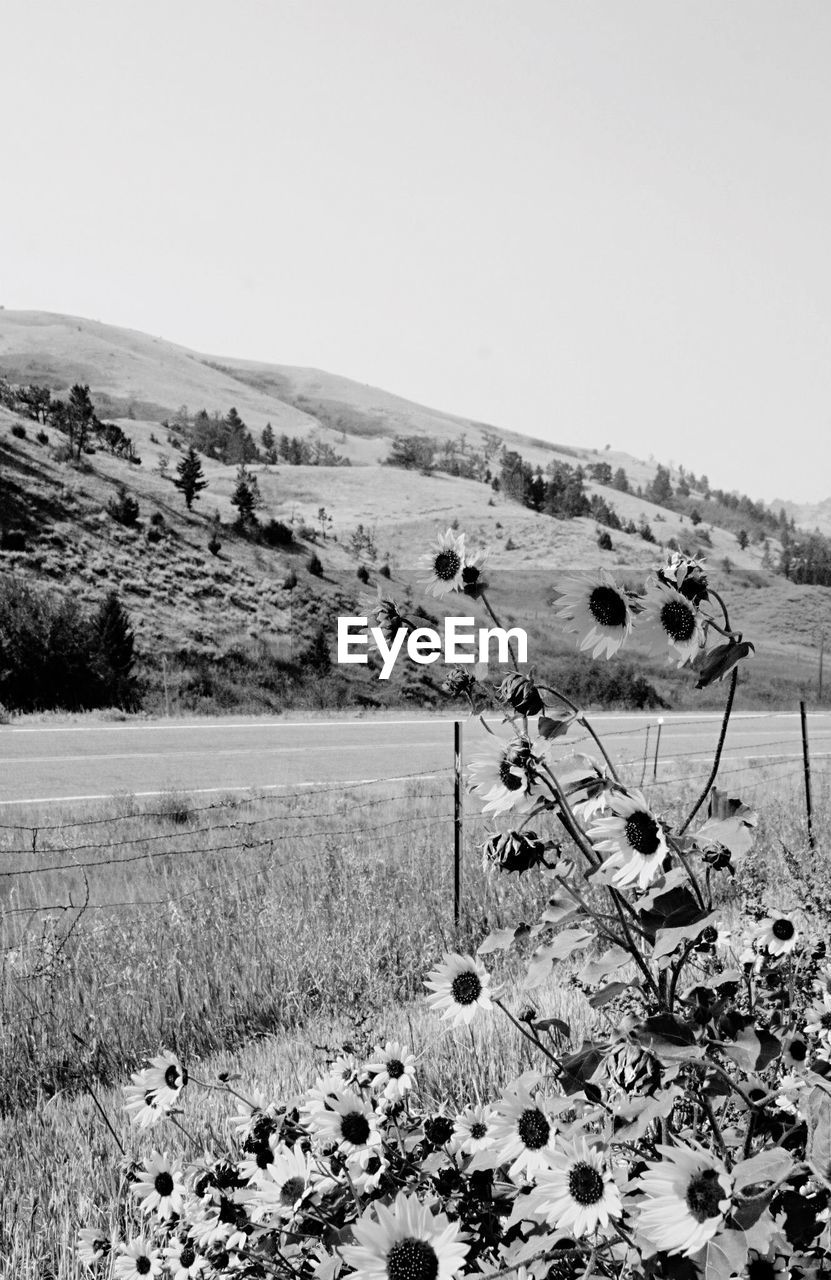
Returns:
(68,861)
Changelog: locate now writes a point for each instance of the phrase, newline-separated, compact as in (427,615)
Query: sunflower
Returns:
(405,1241)
(166,1078)
(184,1261)
(348,1121)
(819,1018)
(259,1156)
(366,1169)
(473,1129)
(93,1245)
(670,621)
(597,609)
(633,837)
(141,1102)
(576,1192)
(252,1113)
(393,1070)
(523,1131)
(446,563)
(777,934)
(459,986)
(283,1185)
(589,790)
(795,1053)
(687,1195)
(159,1185)
(503,776)
(137,1259)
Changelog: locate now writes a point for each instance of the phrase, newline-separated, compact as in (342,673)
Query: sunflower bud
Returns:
(686,574)
(522,694)
(388,618)
(514,851)
(459,683)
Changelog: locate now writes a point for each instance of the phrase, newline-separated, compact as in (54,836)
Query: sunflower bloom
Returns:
(634,839)
(576,1193)
(687,1195)
(405,1241)
(598,610)
(778,934)
(523,1131)
(393,1070)
(503,776)
(159,1187)
(138,1259)
(670,624)
(459,987)
(446,563)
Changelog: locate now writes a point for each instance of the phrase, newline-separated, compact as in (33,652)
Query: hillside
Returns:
(230,630)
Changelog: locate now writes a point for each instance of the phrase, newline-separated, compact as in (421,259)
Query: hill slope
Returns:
(210,616)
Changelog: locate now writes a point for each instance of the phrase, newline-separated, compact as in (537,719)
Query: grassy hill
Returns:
(230,631)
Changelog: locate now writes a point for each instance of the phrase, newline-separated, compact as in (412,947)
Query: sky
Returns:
(594,222)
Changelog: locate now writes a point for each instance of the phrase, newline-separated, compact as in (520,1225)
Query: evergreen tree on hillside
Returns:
(190,479)
(80,418)
(246,497)
(660,490)
(114,646)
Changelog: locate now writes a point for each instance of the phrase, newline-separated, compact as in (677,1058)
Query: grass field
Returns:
(239,935)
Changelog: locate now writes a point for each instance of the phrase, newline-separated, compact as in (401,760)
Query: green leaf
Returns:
(723,1256)
(611,960)
(556,726)
(607,993)
(668,940)
(563,946)
(635,1115)
(667,1039)
(766,1166)
(818,1149)
(501,939)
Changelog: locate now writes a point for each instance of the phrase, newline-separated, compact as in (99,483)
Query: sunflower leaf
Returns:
(611,960)
(723,1256)
(501,939)
(564,945)
(668,940)
(555,726)
(766,1166)
(818,1149)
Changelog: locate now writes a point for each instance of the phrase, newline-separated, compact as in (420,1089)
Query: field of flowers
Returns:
(618,1066)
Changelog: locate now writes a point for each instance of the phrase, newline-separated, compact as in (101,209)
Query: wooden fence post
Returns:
(458,819)
(806,763)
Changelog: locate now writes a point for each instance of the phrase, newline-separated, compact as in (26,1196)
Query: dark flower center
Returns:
(412,1259)
(174,1078)
(511,781)
(585,1184)
(783,930)
(291,1190)
(438,1130)
(466,987)
(825,1021)
(760,1269)
(163,1183)
(533,1128)
(798,1050)
(446,566)
(703,1195)
(264,1157)
(395,1068)
(143,1265)
(678,621)
(642,833)
(607,607)
(187,1257)
(478,1130)
(354,1128)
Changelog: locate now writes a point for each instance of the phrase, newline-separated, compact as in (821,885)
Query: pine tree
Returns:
(114,646)
(246,497)
(191,480)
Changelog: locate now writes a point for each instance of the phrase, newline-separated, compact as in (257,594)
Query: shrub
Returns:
(214,544)
(314,565)
(362,573)
(385,571)
(276,534)
(42,437)
(124,508)
(604,540)
(19,431)
(157,518)
(154,534)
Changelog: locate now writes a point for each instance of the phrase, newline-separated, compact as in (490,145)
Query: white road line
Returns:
(211,791)
(199,754)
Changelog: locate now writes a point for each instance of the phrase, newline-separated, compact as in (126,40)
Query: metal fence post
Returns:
(458,819)
(657,748)
(806,763)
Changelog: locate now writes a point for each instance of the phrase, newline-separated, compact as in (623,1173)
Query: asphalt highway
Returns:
(76,763)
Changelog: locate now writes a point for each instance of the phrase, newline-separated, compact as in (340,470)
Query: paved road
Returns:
(72,763)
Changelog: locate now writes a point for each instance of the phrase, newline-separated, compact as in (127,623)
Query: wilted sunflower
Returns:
(670,624)
(633,837)
(503,776)
(597,609)
(687,1195)
(446,563)
(576,1192)
(460,986)
(405,1242)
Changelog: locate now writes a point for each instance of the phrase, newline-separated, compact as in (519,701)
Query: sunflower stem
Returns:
(583,719)
(687,865)
(569,821)
(524,1031)
(486,602)
(719,748)
(632,945)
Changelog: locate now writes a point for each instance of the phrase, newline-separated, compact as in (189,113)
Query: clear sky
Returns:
(593,222)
